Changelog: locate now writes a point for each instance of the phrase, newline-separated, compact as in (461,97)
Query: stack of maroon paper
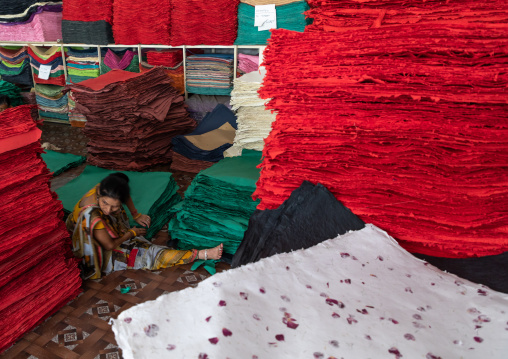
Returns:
(131,118)
(406,125)
(201,22)
(39,273)
(143,22)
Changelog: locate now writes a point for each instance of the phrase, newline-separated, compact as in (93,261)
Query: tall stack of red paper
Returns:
(90,10)
(406,124)
(142,22)
(131,118)
(38,272)
(202,22)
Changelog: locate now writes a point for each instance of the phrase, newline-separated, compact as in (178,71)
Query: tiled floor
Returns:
(81,329)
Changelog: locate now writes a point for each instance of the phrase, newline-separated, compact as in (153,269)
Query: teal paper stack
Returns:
(218,204)
(290,16)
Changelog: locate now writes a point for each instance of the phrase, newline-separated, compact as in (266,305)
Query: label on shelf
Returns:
(44,71)
(265,17)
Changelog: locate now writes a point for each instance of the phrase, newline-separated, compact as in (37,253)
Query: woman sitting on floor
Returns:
(102,237)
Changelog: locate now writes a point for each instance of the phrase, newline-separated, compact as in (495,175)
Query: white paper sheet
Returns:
(357,296)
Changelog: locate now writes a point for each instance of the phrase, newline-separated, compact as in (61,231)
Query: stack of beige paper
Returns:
(254,121)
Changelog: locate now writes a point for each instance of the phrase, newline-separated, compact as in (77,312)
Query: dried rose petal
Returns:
(418,325)
(417,316)
(279,337)
(226,332)
(393,321)
(285,298)
(262,290)
(203,356)
(324,295)
(421,309)
(473,311)
(222,303)
(351,319)
(408,289)
(308,286)
(318,355)
(244,295)
(348,281)
(217,284)
(272,344)
(127,320)
(478,339)
(408,275)
(331,301)
(482,292)
(483,318)
(368,337)
(335,315)
(208,319)
(380,258)
(290,322)
(363,311)
(409,336)
(255,316)
(151,330)
(287,268)
(334,343)
(171,347)
(283,309)
(344,255)
(458,282)
(213,340)
(395,351)
(431,356)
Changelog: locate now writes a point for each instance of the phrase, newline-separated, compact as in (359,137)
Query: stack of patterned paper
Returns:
(254,121)
(87,22)
(42,58)
(210,74)
(30,20)
(15,66)
(39,273)
(131,118)
(218,204)
(247,63)
(53,103)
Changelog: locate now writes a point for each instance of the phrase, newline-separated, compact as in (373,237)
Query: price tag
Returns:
(44,71)
(265,17)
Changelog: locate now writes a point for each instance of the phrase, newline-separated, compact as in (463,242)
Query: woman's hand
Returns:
(139,231)
(144,220)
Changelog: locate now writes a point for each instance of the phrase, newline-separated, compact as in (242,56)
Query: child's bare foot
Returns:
(211,253)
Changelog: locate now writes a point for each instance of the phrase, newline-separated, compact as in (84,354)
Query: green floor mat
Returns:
(153,193)
(60,162)
(218,204)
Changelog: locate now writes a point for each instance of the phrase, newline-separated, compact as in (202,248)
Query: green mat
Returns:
(153,193)
(60,162)
(11,91)
(218,204)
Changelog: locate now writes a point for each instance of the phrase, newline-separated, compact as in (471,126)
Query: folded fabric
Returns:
(60,162)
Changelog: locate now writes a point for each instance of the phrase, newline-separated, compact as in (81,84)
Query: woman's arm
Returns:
(142,219)
(103,237)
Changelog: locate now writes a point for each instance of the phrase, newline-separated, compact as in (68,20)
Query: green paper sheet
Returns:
(153,193)
(60,162)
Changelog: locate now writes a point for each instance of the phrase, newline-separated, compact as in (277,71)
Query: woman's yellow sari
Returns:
(135,253)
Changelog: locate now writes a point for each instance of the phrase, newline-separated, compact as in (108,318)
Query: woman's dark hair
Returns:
(116,186)
(4,99)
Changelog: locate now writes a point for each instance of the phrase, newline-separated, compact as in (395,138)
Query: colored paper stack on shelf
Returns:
(207,143)
(254,121)
(131,118)
(144,22)
(87,22)
(398,127)
(210,74)
(30,21)
(198,22)
(39,273)
(289,16)
(52,102)
(218,204)
(12,92)
(247,63)
(47,58)
(171,60)
(15,66)
(127,60)
(156,199)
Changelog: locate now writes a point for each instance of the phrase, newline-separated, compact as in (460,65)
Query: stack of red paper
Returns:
(172,60)
(39,274)
(131,118)
(405,124)
(143,22)
(201,22)
(90,10)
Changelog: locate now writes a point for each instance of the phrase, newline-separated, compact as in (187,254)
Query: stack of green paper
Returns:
(153,193)
(60,162)
(12,92)
(218,204)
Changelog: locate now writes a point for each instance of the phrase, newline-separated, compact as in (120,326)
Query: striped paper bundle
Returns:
(52,102)
(398,125)
(48,57)
(39,273)
(15,66)
(210,74)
